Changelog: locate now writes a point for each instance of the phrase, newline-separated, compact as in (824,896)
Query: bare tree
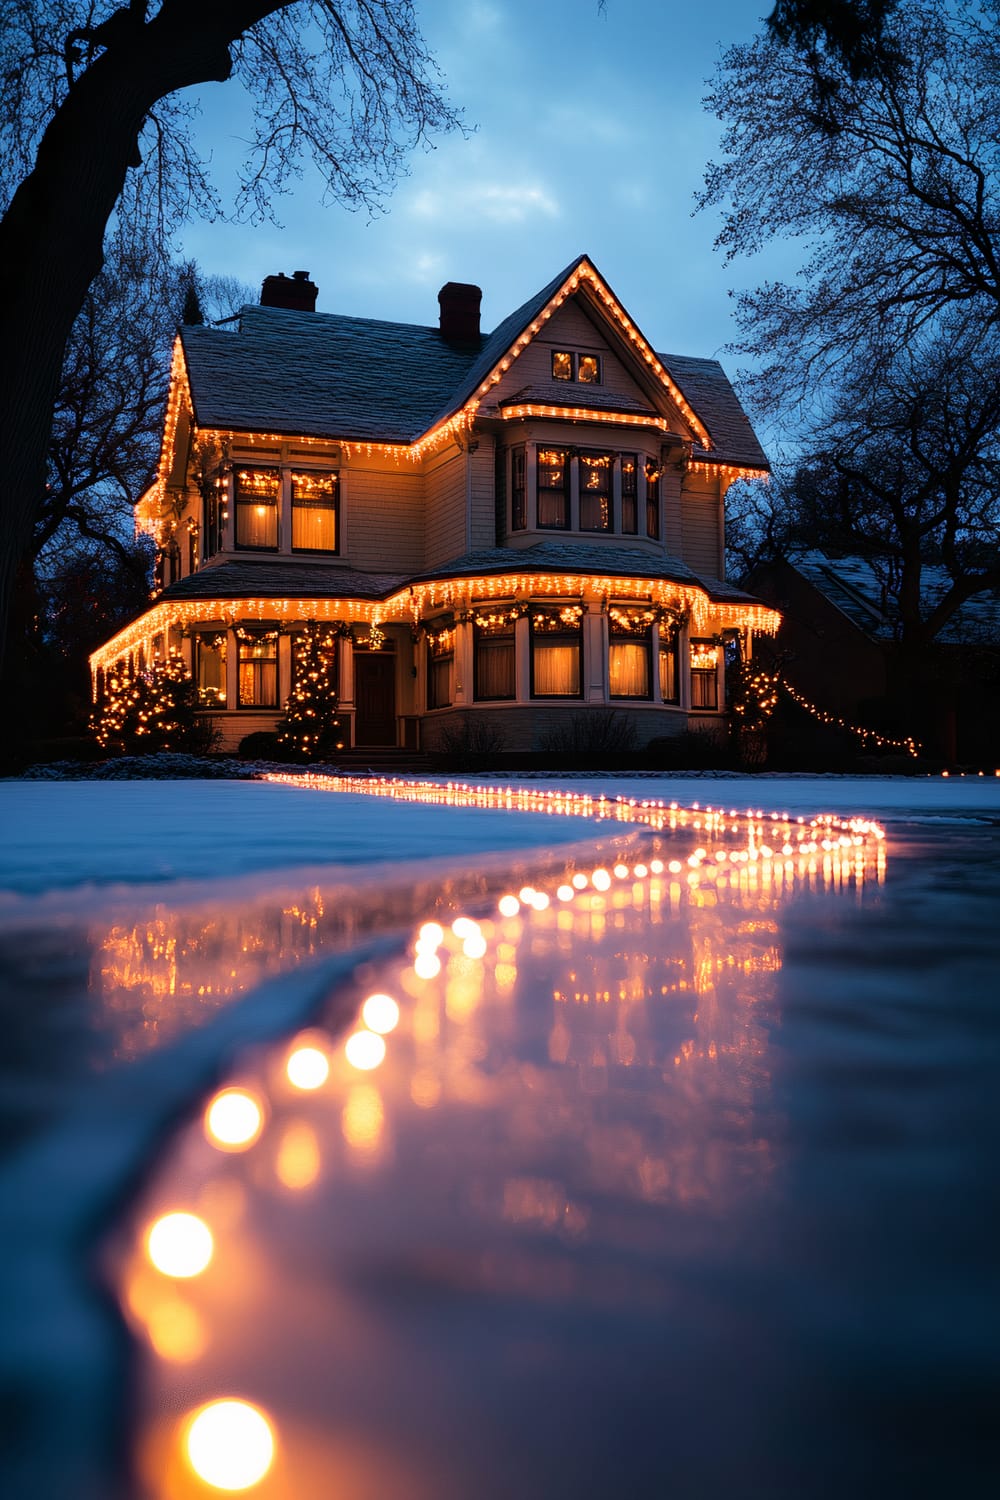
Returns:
(888,180)
(94,116)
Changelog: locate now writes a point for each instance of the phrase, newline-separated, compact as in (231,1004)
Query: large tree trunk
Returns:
(52,235)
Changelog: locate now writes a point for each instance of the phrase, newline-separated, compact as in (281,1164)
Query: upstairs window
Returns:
(630,513)
(652,500)
(556,651)
(518,490)
(257,495)
(553,488)
(584,368)
(595,491)
(315,500)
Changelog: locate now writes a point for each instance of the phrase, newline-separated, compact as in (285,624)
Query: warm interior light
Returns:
(233,1120)
(180,1244)
(230,1444)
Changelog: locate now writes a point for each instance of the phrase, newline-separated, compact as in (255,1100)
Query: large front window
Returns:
(210,668)
(494,655)
(314,512)
(704,674)
(595,491)
(553,488)
(258,669)
(556,651)
(669,677)
(257,495)
(629,652)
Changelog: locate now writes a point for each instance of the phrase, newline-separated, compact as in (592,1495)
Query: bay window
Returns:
(704,674)
(595,491)
(556,651)
(315,512)
(518,490)
(210,668)
(257,495)
(440,657)
(630,640)
(257,674)
(652,500)
(493,655)
(553,488)
(669,676)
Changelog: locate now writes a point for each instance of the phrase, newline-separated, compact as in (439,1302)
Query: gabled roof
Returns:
(362,379)
(853,585)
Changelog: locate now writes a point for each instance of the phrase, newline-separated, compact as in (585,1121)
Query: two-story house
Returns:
(510,528)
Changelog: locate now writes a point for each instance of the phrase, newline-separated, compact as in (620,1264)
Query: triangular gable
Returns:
(150,508)
(513,336)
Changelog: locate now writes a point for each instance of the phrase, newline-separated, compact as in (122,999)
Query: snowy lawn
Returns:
(63,834)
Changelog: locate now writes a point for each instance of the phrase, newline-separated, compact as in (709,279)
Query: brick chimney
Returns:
(297,292)
(459,304)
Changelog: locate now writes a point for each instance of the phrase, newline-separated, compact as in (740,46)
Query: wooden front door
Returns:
(374,698)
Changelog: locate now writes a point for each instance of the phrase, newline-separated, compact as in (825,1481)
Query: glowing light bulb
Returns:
(600,880)
(426,965)
(380,1013)
(508,906)
(580,881)
(431,935)
(233,1120)
(565,893)
(230,1444)
(180,1245)
(364,1050)
(307,1068)
(464,927)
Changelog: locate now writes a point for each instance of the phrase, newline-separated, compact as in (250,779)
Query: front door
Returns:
(374,698)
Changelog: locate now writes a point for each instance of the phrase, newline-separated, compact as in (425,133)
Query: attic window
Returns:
(585,368)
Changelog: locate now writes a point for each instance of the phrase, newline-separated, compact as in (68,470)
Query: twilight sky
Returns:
(590,137)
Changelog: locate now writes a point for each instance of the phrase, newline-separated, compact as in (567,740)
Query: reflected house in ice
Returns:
(494,533)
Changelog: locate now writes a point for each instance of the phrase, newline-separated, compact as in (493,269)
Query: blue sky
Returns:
(589,135)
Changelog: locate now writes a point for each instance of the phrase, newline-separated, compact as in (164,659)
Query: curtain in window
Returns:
(210,666)
(258,673)
(556,669)
(553,487)
(668,671)
(256,524)
(439,682)
(595,491)
(314,512)
(628,669)
(704,689)
(495,666)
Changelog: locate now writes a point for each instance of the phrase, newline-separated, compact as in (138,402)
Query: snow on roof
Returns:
(857,588)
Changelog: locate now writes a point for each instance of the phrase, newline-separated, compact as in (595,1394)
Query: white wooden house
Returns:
(507,528)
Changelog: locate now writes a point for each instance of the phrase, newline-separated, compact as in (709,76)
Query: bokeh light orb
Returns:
(230,1444)
(180,1245)
(380,1013)
(431,934)
(364,1050)
(509,906)
(307,1068)
(233,1120)
(426,965)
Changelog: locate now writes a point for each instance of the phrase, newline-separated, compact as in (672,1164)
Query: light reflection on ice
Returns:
(546,1139)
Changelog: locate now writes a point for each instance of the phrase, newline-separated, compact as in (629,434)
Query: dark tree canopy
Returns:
(94,129)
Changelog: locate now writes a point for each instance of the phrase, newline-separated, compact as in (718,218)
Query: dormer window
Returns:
(585,368)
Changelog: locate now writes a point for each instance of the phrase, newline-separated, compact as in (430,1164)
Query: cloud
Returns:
(500,203)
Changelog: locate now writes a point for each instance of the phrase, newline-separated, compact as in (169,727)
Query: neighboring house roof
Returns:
(253,579)
(857,589)
(326,375)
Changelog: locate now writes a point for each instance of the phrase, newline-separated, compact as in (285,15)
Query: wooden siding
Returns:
(446,528)
(482,510)
(701,542)
(382,509)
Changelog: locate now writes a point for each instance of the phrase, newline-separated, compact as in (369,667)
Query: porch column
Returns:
(595,653)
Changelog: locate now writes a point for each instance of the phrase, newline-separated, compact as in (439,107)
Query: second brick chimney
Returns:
(297,292)
(459,304)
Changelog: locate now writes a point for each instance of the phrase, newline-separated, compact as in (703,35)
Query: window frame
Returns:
(246,639)
(593,456)
(653,518)
(598,364)
(334,505)
(221,647)
(519,492)
(706,675)
(239,504)
(669,646)
(434,659)
(482,632)
(632,493)
(565,491)
(564,354)
(570,634)
(637,636)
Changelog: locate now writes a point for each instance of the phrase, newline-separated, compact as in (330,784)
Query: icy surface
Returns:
(62,834)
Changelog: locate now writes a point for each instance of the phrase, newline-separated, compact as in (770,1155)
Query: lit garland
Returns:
(566,618)
(704,657)
(885,742)
(310,723)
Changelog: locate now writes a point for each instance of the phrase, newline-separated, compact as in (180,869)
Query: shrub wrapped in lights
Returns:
(153,709)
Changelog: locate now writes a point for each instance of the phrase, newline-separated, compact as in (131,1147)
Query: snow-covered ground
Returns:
(58,835)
